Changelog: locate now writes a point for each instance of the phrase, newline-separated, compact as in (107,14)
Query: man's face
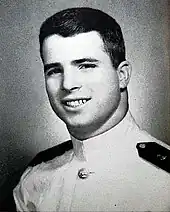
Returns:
(82,85)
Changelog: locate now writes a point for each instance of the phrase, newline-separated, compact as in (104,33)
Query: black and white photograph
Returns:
(85,105)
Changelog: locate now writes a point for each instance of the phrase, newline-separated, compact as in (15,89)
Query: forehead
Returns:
(89,44)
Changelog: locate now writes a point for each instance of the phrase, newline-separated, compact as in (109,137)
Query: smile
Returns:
(75,103)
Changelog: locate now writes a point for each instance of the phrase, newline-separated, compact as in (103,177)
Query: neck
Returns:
(84,133)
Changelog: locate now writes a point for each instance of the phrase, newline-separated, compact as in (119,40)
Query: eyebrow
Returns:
(83,60)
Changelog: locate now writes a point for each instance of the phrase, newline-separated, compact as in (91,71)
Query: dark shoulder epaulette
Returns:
(155,154)
(51,153)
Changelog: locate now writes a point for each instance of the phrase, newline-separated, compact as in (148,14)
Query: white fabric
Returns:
(119,181)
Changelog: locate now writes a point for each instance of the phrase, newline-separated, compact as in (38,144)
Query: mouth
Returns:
(75,103)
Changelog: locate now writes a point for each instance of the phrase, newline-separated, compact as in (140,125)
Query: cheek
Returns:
(52,85)
(104,84)
(104,75)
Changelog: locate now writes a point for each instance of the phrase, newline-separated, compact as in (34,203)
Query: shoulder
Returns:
(150,149)
(153,151)
(51,153)
(45,163)
(41,171)
(41,167)
(144,135)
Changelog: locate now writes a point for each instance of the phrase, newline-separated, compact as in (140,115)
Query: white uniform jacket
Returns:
(103,173)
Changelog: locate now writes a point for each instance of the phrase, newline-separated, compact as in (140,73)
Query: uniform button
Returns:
(83,173)
(142,146)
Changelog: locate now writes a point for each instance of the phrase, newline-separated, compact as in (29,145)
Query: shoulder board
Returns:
(51,153)
(155,154)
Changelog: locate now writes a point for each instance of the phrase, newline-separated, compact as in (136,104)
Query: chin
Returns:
(84,124)
(76,123)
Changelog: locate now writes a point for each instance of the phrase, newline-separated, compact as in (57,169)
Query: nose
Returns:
(70,81)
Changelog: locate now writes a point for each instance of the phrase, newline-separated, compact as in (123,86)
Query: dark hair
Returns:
(77,20)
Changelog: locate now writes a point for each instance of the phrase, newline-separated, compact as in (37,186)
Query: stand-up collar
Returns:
(113,137)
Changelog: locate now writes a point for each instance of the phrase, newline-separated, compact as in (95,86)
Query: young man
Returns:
(102,167)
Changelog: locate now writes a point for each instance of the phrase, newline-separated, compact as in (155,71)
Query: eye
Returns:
(87,66)
(54,70)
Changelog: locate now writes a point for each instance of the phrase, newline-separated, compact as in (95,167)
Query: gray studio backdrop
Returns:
(28,124)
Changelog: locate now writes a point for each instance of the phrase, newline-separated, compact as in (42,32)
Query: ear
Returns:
(124,72)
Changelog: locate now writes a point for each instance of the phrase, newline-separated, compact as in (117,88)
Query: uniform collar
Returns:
(115,137)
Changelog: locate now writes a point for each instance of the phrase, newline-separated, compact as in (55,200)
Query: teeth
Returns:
(76,103)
